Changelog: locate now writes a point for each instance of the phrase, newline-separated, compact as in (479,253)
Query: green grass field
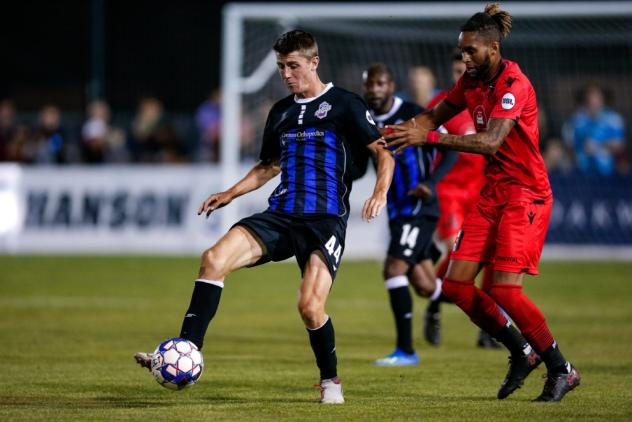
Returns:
(70,325)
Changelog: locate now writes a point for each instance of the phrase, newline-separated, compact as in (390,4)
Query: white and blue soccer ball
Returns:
(177,363)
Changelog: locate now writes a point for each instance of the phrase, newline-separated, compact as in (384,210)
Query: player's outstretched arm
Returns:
(486,142)
(258,176)
(385,165)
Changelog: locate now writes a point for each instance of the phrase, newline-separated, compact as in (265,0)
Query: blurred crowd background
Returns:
(152,94)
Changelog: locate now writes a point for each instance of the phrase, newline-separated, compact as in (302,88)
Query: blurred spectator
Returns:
(100,142)
(153,138)
(208,120)
(8,127)
(595,133)
(49,143)
(422,84)
(556,156)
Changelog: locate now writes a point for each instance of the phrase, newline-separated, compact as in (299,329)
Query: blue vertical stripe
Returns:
(291,177)
(413,168)
(310,174)
(330,171)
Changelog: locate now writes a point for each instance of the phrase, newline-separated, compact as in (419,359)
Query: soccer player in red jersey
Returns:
(508,225)
(458,192)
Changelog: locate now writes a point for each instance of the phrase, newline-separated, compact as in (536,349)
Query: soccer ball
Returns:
(177,363)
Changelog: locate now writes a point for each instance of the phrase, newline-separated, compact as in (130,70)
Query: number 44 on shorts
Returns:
(333,250)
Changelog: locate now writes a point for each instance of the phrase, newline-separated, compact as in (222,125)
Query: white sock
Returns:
(396,282)
(437,292)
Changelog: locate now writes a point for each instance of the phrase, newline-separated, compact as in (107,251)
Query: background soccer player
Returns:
(509,223)
(458,193)
(412,211)
(306,139)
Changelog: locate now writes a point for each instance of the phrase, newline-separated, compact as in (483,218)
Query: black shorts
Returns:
(411,238)
(285,235)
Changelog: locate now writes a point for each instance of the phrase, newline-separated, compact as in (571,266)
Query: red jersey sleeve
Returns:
(512,96)
(456,96)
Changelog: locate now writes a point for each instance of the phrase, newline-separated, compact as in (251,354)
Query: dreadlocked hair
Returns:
(493,22)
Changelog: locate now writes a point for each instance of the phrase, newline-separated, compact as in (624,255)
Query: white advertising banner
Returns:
(139,209)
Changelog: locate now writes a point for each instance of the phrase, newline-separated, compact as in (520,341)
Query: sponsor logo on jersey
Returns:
(369,118)
(508,101)
(323,109)
(478,115)
(301,135)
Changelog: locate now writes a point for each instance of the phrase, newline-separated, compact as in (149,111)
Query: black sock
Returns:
(402,307)
(323,342)
(554,360)
(513,340)
(435,305)
(204,303)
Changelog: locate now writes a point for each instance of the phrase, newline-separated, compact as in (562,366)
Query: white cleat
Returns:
(144,359)
(331,391)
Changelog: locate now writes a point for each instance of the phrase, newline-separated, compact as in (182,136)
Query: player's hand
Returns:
(422,191)
(215,201)
(373,206)
(401,137)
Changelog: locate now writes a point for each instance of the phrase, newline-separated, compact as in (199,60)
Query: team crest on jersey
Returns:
(323,109)
(508,101)
(370,118)
(478,115)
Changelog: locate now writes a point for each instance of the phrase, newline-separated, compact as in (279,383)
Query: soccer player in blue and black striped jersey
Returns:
(413,211)
(307,138)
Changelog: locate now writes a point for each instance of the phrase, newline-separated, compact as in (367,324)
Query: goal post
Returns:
(559,45)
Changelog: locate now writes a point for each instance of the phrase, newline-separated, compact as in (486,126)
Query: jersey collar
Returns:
(397,103)
(307,100)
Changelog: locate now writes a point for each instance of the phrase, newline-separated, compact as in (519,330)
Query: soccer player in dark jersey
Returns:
(307,138)
(508,225)
(413,212)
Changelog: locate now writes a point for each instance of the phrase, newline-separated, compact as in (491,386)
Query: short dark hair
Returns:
(493,23)
(296,40)
(378,69)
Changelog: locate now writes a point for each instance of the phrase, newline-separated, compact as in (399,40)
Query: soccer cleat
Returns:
(432,328)
(557,385)
(399,358)
(486,341)
(331,391)
(144,359)
(519,368)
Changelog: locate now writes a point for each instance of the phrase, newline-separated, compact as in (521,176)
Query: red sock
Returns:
(443,266)
(481,308)
(525,314)
(488,279)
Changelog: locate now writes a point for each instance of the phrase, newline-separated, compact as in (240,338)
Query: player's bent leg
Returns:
(562,377)
(236,249)
(485,340)
(315,287)
(423,278)
(396,283)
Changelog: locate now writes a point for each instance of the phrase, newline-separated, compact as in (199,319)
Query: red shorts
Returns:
(509,236)
(454,206)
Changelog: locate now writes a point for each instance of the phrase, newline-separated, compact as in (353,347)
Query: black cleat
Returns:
(486,341)
(432,328)
(557,385)
(519,369)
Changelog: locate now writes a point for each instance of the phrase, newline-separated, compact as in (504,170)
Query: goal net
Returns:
(561,46)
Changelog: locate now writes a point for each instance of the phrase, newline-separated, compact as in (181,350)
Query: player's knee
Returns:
(213,265)
(424,286)
(458,293)
(394,268)
(312,312)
